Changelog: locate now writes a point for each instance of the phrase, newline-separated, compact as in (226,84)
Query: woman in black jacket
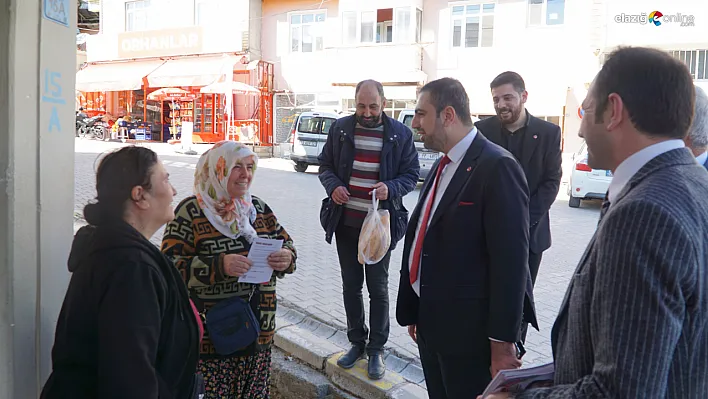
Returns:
(127,328)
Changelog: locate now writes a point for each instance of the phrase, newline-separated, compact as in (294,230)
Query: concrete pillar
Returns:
(37,74)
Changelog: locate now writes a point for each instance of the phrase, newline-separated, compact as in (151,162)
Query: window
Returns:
(403,25)
(136,15)
(315,125)
(368,20)
(387,25)
(418,24)
(210,12)
(307,32)
(696,61)
(349,27)
(473,25)
(546,12)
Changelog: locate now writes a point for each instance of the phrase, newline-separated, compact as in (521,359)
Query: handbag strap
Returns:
(199,303)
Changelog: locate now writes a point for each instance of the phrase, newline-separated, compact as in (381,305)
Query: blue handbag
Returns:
(232,325)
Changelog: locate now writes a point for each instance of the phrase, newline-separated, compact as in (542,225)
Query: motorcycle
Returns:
(91,128)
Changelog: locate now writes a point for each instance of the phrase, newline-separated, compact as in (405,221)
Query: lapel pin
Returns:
(469,169)
(535,136)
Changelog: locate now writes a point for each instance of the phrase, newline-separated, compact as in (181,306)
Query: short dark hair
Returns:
(509,77)
(117,174)
(377,84)
(657,90)
(449,92)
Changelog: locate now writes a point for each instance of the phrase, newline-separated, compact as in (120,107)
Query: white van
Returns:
(308,136)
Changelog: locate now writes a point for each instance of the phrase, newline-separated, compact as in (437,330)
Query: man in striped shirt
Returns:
(366,151)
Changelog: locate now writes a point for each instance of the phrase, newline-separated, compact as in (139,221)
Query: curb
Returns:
(319,345)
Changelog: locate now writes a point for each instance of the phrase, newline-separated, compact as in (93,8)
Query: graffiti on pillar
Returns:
(57,11)
(52,94)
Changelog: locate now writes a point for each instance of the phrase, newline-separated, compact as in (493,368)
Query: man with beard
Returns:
(363,152)
(464,278)
(633,320)
(535,143)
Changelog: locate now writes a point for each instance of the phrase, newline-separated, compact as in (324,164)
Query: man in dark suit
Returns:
(464,278)
(633,322)
(697,138)
(536,144)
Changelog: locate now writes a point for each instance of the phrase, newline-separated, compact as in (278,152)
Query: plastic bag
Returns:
(375,235)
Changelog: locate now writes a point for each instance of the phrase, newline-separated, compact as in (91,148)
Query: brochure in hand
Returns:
(518,380)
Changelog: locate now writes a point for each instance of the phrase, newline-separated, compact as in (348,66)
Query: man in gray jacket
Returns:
(633,321)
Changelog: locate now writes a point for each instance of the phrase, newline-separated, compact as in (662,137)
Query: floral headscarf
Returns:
(232,217)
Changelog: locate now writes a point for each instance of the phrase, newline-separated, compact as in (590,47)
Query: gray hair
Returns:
(698,133)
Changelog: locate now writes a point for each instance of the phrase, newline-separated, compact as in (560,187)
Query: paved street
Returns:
(316,286)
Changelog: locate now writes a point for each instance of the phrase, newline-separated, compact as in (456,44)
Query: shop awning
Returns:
(192,71)
(115,76)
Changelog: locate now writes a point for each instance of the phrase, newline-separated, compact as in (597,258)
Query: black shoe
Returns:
(377,367)
(348,360)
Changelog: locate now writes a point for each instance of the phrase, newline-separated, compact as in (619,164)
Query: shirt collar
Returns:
(460,149)
(630,166)
(701,159)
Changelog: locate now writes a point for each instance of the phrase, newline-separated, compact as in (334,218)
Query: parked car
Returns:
(426,157)
(308,136)
(585,182)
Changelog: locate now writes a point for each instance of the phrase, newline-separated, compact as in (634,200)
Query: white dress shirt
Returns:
(701,159)
(630,166)
(456,154)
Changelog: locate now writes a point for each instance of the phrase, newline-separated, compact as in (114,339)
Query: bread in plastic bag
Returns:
(375,235)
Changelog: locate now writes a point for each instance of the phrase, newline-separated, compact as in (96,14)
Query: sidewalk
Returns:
(315,290)
(98,146)
(319,345)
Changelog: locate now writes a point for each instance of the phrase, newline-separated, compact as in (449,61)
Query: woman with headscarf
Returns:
(209,241)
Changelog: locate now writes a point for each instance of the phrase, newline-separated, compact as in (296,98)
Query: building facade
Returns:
(145,45)
(322,49)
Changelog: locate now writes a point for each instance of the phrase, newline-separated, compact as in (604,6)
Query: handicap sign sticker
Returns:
(57,11)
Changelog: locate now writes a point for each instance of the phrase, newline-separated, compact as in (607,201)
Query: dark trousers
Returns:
(456,375)
(534,264)
(353,281)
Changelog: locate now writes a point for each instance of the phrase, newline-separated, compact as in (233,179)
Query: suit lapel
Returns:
(491,129)
(530,142)
(462,174)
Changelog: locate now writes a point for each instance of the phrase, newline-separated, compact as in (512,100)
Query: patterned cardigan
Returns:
(198,250)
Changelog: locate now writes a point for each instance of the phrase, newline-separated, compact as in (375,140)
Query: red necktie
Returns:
(415,262)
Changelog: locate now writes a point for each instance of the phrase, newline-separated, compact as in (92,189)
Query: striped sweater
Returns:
(365,173)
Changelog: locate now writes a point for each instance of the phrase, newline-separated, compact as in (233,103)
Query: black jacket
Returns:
(541,161)
(399,170)
(126,328)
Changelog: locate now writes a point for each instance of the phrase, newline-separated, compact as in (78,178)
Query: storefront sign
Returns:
(160,43)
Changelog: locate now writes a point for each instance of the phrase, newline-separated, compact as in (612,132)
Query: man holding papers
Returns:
(634,322)
(465,282)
